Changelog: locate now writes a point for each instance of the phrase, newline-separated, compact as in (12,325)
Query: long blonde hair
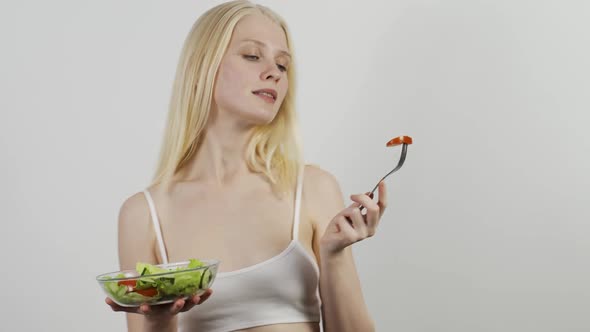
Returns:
(273,150)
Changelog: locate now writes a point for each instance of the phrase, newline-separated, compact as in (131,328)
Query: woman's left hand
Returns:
(351,226)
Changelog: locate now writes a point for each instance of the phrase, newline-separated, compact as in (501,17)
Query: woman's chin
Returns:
(262,117)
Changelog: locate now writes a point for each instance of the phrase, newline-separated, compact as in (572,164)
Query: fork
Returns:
(404,141)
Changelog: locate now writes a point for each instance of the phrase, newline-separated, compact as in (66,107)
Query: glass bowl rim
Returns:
(209,263)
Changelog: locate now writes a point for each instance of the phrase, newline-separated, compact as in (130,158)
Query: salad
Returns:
(158,285)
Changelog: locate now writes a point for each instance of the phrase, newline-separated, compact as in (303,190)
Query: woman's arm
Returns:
(136,244)
(343,305)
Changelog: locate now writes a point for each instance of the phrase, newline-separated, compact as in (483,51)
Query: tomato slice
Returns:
(149,292)
(131,283)
(399,140)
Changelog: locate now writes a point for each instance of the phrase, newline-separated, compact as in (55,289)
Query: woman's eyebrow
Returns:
(258,42)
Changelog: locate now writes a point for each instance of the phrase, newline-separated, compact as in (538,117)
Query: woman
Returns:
(231,185)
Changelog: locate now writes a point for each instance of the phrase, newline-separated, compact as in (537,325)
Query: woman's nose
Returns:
(271,71)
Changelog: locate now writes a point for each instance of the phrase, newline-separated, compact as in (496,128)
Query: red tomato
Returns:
(399,140)
(131,283)
(149,292)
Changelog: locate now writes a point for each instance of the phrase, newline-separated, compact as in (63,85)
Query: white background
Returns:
(488,225)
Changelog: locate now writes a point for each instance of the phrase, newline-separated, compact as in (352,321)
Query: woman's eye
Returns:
(256,57)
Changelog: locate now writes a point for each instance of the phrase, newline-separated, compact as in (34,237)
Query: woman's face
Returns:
(256,59)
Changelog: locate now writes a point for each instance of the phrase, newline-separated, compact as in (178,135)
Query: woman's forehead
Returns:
(253,28)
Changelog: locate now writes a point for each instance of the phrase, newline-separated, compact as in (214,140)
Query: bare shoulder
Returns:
(135,233)
(322,195)
(133,209)
(314,172)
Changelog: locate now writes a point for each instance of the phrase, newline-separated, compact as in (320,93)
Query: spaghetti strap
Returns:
(157,228)
(296,216)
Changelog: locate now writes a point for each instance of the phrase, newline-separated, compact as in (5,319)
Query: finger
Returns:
(354,204)
(372,217)
(358,221)
(362,198)
(145,309)
(347,231)
(365,201)
(373,211)
(110,302)
(195,299)
(206,295)
(351,206)
(382,197)
(362,208)
(188,305)
(115,307)
(370,194)
(177,306)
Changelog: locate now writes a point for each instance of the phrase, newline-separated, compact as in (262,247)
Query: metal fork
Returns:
(404,140)
(402,159)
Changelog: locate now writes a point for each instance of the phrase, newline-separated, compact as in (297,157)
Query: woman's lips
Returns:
(265,97)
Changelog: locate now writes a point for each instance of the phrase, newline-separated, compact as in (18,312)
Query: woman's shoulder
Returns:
(137,203)
(321,193)
(135,208)
(133,205)
(136,236)
(319,181)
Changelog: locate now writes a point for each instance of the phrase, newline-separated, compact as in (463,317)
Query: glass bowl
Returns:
(130,288)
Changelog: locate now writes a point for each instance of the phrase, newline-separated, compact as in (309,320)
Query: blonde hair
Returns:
(273,149)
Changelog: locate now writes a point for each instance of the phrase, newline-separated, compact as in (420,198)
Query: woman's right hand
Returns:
(161,312)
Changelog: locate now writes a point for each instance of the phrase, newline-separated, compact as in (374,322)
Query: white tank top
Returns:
(282,289)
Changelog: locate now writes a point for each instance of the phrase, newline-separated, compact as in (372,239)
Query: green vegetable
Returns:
(161,287)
